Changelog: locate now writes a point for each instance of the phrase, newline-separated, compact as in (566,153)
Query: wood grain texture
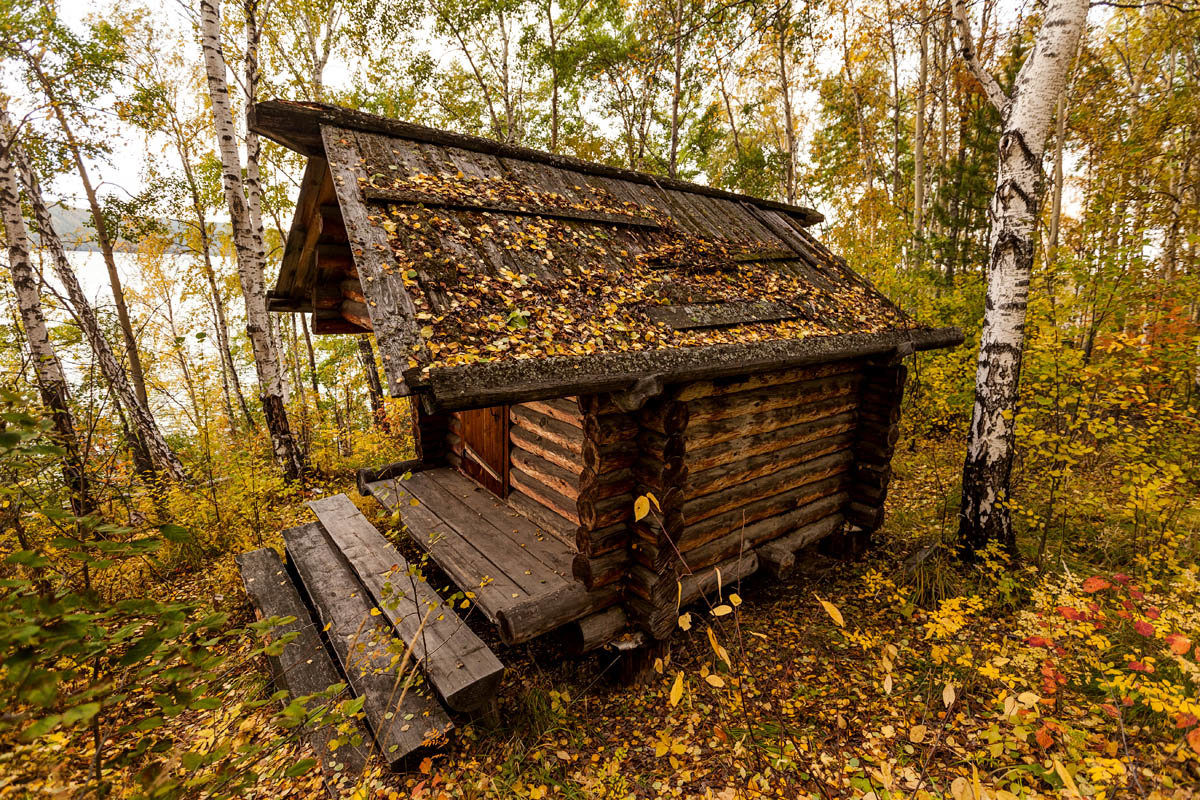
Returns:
(461,668)
(303,667)
(403,717)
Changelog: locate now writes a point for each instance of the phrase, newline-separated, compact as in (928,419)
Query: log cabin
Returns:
(576,336)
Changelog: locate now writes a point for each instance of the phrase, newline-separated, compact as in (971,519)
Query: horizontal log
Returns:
(525,621)
(778,556)
(765,530)
(385,472)
(545,448)
(596,630)
(726,575)
(541,516)
(604,512)
(599,485)
(609,428)
(874,475)
(597,542)
(720,388)
(774,397)
(561,480)
(356,313)
(562,409)
(867,517)
(659,475)
(596,571)
(544,495)
(733,521)
(742,495)
(708,434)
(605,458)
(658,621)
(565,436)
(698,483)
(665,416)
(878,415)
(880,438)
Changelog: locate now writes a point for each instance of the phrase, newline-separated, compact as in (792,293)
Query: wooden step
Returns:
(459,665)
(303,667)
(402,717)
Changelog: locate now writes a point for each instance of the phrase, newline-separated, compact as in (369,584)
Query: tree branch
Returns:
(966,49)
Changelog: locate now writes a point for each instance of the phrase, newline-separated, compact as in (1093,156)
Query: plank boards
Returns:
(459,665)
(519,573)
(403,718)
(303,666)
(716,315)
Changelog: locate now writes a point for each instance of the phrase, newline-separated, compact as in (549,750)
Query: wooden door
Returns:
(483,447)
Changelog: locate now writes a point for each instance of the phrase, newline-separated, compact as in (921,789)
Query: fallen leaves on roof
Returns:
(503,270)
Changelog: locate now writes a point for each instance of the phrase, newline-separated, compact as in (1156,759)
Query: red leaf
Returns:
(1111,710)
(1185,720)
(1152,612)
(1179,643)
(1121,578)
(1070,613)
(1193,739)
(1143,627)
(1135,594)
(1095,584)
(1045,738)
(1038,641)
(1138,666)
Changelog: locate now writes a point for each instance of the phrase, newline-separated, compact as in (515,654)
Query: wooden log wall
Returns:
(546,458)
(431,433)
(735,464)
(606,492)
(878,429)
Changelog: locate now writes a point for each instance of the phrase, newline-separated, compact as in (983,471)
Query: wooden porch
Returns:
(520,574)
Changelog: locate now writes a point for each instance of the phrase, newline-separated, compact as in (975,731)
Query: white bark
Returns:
(145,429)
(52,382)
(1026,117)
(247,238)
(919,136)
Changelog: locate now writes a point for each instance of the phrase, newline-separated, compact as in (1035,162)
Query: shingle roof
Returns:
(512,255)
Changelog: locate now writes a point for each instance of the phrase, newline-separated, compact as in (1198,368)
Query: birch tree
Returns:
(51,381)
(250,251)
(146,435)
(1027,113)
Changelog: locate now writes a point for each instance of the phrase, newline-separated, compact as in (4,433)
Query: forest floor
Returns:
(930,682)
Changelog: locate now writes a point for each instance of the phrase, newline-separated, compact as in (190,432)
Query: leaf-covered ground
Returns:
(878,678)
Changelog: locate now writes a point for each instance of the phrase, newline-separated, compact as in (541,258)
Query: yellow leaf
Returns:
(832,611)
(948,694)
(375,612)
(677,689)
(426,765)
(887,684)
(916,734)
(685,621)
(658,666)
(641,508)
(714,680)
(721,610)
(721,652)
(1067,780)
(734,599)
(650,496)
(1028,699)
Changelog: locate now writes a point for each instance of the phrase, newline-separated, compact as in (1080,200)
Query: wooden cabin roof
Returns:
(493,273)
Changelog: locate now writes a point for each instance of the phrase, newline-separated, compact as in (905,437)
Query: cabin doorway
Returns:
(483,447)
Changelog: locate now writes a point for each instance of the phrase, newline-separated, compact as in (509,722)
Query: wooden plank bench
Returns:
(303,667)
(458,664)
(520,574)
(403,718)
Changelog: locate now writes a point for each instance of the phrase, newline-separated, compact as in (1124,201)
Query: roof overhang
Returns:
(481,385)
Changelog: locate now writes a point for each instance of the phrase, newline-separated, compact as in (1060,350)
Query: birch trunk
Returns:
(919,139)
(147,438)
(52,383)
(136,374)
(249,247)
(1026,118)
